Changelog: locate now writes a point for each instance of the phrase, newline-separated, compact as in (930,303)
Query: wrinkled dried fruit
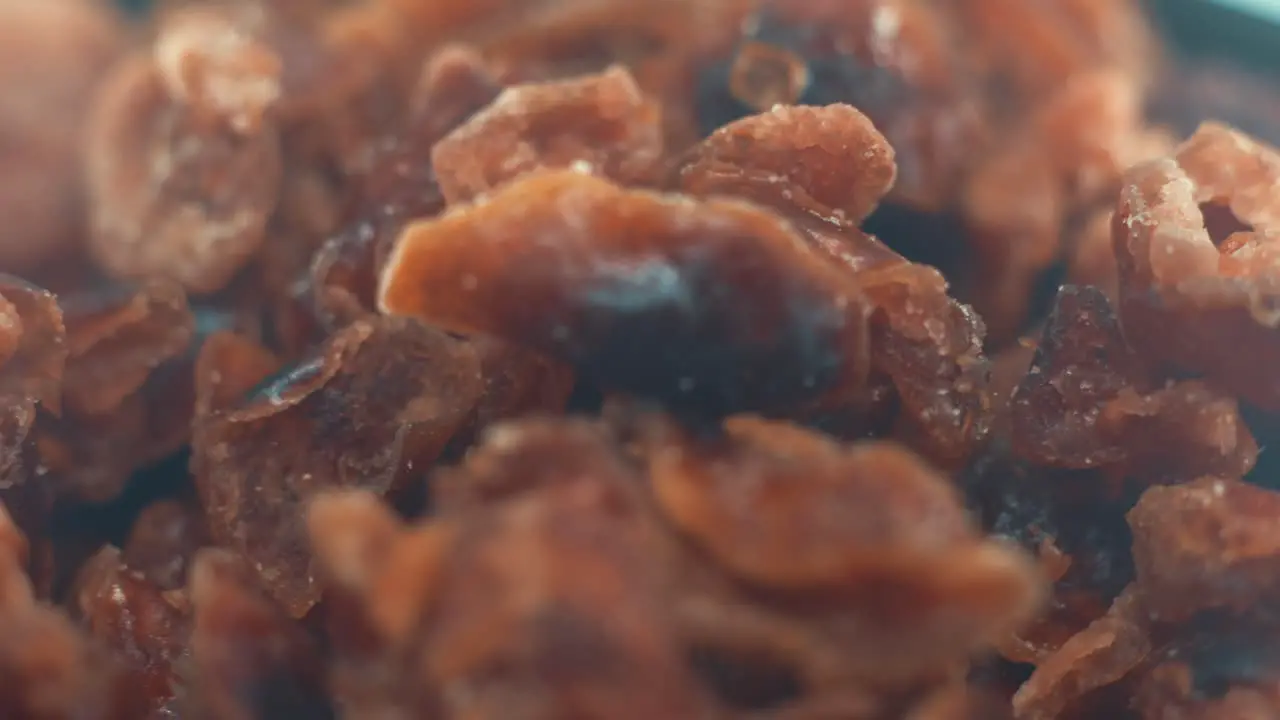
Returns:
(824,169)
(372,408)
(1099,655)
(560,587)
(589,624)
(930,347)
(176,190)
(1091,130)
(601,123)
(1087,403)
(549,601)
(1080,362)
(126,388)
(1195,243)
(146,629)
(117,338)
(801,497)
(33,345)
(791,512)
(1205,545)
(1204,426)
(710,306)
(830,161)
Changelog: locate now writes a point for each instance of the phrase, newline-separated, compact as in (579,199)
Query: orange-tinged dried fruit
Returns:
(796,518)
(827,160)
(560,586)
(550,601)
(1098,656)
(824,169)
(601,123)
(176,191)
(1195,242)
(866,546)
(713,306)
(1205,545)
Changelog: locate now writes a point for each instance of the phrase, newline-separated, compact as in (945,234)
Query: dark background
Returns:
(1201,29)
